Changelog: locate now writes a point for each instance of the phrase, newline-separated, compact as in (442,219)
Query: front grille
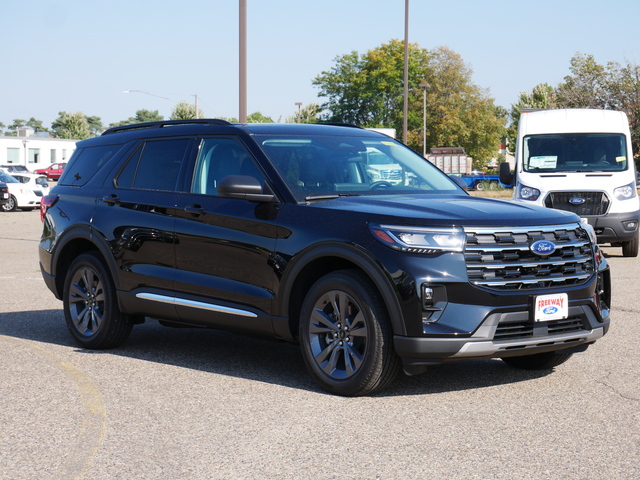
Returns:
(524,329)
(580,203)
(502,259)
(391,174)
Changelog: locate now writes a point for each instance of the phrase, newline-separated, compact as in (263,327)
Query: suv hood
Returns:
(450,210)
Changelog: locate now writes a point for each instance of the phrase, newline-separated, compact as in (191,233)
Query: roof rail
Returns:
(339,124)
(166,123)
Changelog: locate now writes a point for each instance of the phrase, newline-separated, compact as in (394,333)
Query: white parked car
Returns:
(37,183)
(20,196)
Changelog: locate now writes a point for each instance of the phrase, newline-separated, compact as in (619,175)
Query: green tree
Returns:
(185,110)
(2,127)
(73,126)
(12,129)
(542,96)
(258,117)
(367,90)
(587,86)
(141,116)
(309,113)
(36,125)
(624,92)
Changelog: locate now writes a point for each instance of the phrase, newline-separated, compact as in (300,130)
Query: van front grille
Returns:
(580,203)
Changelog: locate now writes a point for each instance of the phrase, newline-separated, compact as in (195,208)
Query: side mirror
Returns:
(460,182)
(243,187)
(506,176)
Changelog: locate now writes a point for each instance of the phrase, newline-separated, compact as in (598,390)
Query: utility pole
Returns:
(405,109)
(243,61)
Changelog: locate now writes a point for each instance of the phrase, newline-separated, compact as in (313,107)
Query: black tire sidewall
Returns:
(379,338)
(113,322)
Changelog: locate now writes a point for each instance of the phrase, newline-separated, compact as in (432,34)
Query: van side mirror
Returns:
(506,176)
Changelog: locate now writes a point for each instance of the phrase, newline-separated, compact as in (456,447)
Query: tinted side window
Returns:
(85,162)
(155,165)
(219,158)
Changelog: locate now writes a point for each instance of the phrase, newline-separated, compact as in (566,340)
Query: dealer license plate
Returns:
(551,307)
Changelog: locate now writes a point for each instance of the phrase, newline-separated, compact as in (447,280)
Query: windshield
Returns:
(328,166)
(6,178)
(575,152)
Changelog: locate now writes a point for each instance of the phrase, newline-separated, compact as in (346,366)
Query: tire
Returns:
(480,186)
(630,249)
(90,305)
(11,205)
(540,361)
(346,337)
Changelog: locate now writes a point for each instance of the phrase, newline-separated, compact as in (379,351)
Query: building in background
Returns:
(33,150)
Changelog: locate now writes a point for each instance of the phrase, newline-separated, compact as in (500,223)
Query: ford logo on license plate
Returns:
(543,247)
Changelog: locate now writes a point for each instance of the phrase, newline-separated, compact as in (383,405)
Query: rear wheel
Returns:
(345,334)
(540,361)
(90,305)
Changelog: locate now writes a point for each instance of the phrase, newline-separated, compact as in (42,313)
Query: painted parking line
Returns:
(93,411)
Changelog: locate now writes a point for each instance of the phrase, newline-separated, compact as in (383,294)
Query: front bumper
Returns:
(504,335)
(615,227)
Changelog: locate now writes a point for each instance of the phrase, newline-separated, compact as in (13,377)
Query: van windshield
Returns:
(575,152)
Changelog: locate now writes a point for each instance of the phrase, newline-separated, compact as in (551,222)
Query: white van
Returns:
(579,160)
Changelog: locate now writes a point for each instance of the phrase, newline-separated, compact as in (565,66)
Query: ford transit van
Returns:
(579,160)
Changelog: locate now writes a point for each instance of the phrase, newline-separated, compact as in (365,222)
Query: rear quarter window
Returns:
(85,162)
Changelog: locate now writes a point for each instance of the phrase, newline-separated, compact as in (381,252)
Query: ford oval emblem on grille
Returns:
(543,247)
(576,201)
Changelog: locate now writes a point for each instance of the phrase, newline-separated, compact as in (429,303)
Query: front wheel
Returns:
(630,249)
(11,205)
(539,361)
(345,334)
(90,305)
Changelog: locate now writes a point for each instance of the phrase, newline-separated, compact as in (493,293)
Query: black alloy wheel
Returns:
(90,305)
(346,337)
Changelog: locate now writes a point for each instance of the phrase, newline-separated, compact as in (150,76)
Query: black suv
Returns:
(336,237)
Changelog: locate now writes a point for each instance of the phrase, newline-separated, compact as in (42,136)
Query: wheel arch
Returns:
(74,243)
(315,262)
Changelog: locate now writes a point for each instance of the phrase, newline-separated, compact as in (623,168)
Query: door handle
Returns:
(112,199)
(195,210)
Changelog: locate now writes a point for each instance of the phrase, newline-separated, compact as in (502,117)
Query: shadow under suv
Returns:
(281,230)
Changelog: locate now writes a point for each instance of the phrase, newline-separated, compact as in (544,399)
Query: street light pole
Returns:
(424,85)
(299,104)
(405,121)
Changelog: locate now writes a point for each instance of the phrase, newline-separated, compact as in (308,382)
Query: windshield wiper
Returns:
(311,198)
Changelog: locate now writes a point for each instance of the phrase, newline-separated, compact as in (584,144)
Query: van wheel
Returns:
(630,249)
(540,361)
(345,335)
(90,305)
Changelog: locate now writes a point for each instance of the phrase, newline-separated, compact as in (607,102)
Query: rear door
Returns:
(136,212)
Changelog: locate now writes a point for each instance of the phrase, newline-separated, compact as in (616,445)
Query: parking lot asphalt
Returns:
(204,404)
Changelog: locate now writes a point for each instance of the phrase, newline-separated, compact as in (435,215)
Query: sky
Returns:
(81,55)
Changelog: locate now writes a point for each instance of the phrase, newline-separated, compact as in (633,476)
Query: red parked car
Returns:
(53,171)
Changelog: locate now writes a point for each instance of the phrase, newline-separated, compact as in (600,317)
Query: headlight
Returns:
(424,240)
(626,192)
(528,193)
